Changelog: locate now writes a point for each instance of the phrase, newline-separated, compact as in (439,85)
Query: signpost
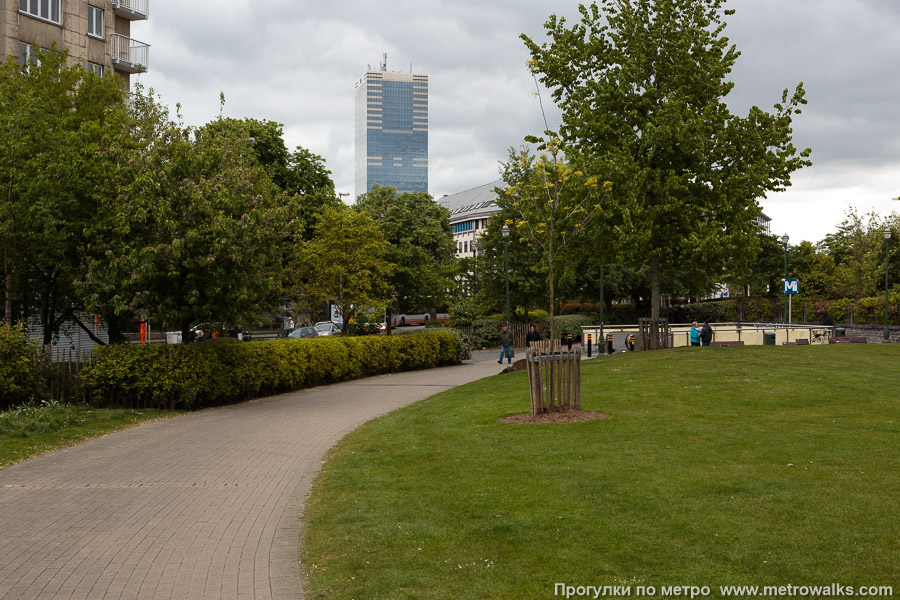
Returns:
(791,287)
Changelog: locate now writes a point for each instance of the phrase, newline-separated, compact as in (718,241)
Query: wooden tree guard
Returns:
(554,376)
(654,333)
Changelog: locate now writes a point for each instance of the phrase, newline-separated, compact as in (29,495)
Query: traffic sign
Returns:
(791,286)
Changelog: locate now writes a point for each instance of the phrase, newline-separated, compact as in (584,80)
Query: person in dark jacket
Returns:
(506,342)
(826,319)
(533,336)
(706,334)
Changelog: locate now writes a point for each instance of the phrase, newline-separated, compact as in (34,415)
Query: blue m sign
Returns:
(791,286)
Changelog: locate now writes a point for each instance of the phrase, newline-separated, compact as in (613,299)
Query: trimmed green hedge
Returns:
(192,376)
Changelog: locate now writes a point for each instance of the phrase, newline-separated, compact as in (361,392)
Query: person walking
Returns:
(533,336)
(506,341)
(695,334)
(706,334)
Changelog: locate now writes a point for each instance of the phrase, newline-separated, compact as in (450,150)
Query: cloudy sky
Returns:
(297,61)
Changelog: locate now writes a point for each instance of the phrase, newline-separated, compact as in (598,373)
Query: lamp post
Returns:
(785,238)
(887,242)
(505,231)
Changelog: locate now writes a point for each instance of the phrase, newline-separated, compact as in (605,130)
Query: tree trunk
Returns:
(7,288)
(387,321)
(654,286)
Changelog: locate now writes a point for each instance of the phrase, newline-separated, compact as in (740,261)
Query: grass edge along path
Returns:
(26,432)
(718,466)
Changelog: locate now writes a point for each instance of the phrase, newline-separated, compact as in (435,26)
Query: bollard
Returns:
(631,343)
(569,340)
(589,345)
(609,347)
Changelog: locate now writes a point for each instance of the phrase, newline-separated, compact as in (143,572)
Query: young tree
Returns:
(345,263)
(420,244)
(641,85)
(552,202)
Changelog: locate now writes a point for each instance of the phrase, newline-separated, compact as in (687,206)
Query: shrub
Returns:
(191,376)
(20,375)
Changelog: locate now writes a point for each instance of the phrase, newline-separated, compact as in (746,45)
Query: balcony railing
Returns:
(133,10)
(127,54)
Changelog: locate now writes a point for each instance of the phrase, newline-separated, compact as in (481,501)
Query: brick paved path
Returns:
(207,505)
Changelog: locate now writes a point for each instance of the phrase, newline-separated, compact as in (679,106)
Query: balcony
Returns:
(133,10)
(127,54)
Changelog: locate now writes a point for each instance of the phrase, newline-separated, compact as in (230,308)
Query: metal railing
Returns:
(128,54)
(135,9)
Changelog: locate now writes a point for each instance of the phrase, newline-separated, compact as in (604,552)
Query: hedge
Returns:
(193,376)
(20,375)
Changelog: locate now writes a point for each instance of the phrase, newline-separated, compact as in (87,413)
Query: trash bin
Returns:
(839,332)
(768,338)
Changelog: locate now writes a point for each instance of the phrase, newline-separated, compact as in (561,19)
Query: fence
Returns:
(519,331)
(61,369)
(554,376)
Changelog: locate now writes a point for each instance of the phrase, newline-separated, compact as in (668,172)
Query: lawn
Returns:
(718,466)
(29,431)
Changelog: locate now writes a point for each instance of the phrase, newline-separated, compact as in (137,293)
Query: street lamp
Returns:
(785,238)
(887,241)
(505,231)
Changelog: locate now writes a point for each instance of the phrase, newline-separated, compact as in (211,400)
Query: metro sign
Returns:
(791,286)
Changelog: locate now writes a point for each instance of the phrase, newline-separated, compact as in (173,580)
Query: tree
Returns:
(527,272)
(300,174)
(54,121)
(345,263)
(857,249)
(641,85)
(553,203)
(420,244)
(193,227)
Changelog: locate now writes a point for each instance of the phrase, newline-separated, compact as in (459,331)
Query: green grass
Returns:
(722,466)
(29,431)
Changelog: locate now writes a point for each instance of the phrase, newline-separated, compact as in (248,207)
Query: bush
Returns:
(192,376)
(20,375)
(566,324)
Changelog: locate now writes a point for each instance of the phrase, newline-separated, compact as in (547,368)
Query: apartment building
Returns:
(469,214)
(96,33)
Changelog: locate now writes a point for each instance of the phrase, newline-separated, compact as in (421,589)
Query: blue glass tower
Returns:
(392,131)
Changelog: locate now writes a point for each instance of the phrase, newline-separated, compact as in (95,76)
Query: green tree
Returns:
(553,203)
(641,85)
(420,244)
(857,249)
(193,227)
(345,263)
(527,272)
(54,120)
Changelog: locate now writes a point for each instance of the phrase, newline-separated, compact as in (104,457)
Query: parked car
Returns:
(327,328)
(303,332)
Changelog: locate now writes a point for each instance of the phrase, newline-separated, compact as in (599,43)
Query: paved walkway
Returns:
(208,505)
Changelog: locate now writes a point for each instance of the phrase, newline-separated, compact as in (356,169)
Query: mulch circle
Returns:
(566,416)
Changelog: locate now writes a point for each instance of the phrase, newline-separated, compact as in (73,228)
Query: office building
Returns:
(469,214)
(392,131)
(96,33)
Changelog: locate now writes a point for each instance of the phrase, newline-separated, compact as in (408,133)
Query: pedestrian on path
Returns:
(506,341)
(533,336)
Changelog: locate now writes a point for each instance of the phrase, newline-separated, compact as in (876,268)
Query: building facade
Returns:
(96,33)
(469,214)
(391,131)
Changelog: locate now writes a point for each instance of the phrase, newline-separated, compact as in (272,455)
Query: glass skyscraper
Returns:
(392,131)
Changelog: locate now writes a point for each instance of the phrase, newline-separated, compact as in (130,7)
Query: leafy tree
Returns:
(420,244)
(552,201)
(300,174)
(193,229)
(857,249)
(345,263)
(54,119)
(527,273)
(641,85)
